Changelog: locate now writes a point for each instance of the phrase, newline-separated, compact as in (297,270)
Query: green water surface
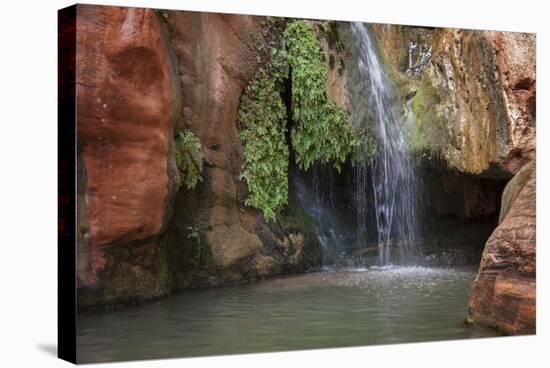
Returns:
(316,310)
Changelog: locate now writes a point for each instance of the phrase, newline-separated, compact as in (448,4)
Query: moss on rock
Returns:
(428,131)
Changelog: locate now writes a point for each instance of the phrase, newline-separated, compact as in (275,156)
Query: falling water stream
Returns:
(393,178)
(316,194)
(386,183)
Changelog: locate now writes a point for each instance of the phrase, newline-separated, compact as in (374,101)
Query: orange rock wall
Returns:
(504,292)
(127,103)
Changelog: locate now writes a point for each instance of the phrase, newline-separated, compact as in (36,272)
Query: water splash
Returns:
(394,183)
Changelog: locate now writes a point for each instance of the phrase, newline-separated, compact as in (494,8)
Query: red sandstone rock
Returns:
(217,57)
(514,58)
(504,292)
(127,103)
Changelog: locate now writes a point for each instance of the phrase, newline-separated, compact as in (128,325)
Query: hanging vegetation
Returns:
(189,158)
(322,132)
(262,118)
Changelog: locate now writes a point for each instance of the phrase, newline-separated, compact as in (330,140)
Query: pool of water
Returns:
(334,308)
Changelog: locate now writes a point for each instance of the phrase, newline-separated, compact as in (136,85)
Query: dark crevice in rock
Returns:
(523,84)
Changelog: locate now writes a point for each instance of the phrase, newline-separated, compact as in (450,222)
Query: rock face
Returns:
(515,59)
(504,292)
(513,188)
(328,34)
(142,77)
(459,104)
(214,238)
(408,49)
(484,85)
(472,94)
(127,103)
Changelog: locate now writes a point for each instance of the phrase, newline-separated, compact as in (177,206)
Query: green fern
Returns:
(322,132)
(189,158)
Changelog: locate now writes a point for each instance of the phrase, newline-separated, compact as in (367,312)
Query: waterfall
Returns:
(393,179)
(315,194)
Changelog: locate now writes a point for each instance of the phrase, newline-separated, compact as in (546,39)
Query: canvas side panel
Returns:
(66,132)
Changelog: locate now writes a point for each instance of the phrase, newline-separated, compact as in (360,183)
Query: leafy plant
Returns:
(262,117)
(189,158)
(192,232)
(323,132)
(201,254)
